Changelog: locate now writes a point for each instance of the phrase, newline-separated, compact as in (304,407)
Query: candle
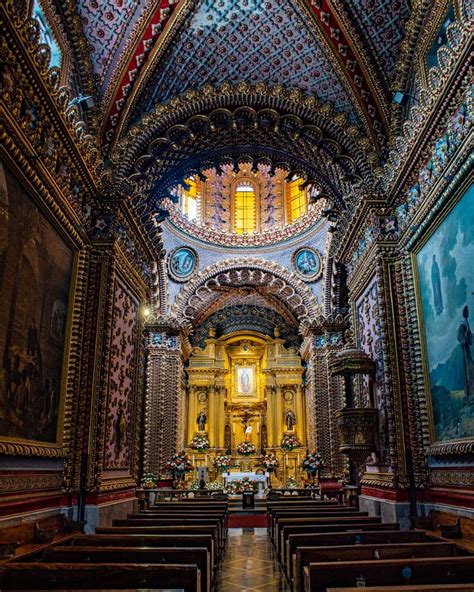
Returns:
(205,460)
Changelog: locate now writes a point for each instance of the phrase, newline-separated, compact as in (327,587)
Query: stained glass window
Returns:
(46,35)
(190,198)
(245,208)
(296,199)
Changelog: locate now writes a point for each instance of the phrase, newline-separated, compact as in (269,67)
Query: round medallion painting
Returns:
(307,263)
(182,263)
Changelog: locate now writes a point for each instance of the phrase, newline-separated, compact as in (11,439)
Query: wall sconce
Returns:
(146,311)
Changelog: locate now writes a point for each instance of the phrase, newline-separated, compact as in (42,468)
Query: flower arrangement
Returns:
(149,480)
(231,488)
(222,463)
(180,464)
(214,486)
(200,443)
(246,448)
(270,462)
(291,483)
(289,441)
(312,462)
(247,485)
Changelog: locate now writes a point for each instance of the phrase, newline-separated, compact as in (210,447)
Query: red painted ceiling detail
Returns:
(328,22)
(343,49)
(150,36)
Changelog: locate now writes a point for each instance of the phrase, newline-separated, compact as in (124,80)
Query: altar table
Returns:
(261,480)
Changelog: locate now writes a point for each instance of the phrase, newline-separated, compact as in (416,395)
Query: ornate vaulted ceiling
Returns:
(146,52)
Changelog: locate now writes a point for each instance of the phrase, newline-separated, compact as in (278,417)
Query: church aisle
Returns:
(250,563)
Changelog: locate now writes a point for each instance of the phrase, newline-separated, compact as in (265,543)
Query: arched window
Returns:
(190,199)
(46,35)
(295,199)
(245,208)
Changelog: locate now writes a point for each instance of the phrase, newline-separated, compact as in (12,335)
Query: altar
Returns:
(261,480)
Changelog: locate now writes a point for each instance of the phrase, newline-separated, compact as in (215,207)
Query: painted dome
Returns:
(243,205)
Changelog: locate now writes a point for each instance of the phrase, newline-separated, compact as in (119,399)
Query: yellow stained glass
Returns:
(245,209)
(296,199)
(189,199)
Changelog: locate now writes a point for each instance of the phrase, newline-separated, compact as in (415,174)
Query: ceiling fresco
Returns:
(247,40)
(380,27)
(108,25)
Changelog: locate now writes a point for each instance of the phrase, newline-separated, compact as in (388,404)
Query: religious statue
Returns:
(290,419)
(201,421)
(464,336)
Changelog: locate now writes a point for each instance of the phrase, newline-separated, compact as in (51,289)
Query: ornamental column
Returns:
(300,415)
(164,404)
(212,426)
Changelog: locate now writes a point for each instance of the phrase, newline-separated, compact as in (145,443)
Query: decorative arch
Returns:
(259,274)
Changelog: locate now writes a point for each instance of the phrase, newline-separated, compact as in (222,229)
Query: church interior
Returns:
(236,295)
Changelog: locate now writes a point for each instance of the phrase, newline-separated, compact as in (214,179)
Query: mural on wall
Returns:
(123,355)
(35,277)
(369,333)
(446,281)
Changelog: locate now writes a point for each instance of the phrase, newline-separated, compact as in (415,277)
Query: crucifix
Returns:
(245,420)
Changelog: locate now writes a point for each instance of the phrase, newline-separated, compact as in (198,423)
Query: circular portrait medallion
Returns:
(182,263)
(307,263)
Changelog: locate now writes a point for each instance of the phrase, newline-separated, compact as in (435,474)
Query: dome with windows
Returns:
(244,205)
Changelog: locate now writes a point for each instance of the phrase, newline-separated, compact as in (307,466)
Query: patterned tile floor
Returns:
(250,563)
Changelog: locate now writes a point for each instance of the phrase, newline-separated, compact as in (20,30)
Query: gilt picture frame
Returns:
(443,278)
(41,259)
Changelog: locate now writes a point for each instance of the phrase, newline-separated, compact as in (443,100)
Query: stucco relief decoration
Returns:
(182,264)
(307,263)
(123,353)
(369,334)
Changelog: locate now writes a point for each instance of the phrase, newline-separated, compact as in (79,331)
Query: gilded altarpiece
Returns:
(246,388)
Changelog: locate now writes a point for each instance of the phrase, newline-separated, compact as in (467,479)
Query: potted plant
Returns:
(270,464)
(312,464)
(246,449)
(289,441)
(179,465)
(149,481)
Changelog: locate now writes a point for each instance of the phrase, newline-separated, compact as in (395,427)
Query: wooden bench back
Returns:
(427,570)
(306,555)
(188,555)
(50,576)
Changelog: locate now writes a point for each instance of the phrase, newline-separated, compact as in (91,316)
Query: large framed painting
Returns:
(245,380)
(36,269)
(445,272)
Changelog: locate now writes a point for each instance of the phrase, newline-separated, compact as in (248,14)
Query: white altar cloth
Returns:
(262,480)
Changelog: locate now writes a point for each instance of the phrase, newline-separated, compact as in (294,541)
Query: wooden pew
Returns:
(307,521)
(311,529)
(161,530)
(161,555)
(306,555)
(275,516)
(416,588)
(427,570)
(182,521)
(456,528)
(149,540)
(359,538)
(102,576)
(28,537)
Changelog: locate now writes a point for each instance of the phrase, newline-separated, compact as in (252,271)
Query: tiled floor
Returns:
(250,563)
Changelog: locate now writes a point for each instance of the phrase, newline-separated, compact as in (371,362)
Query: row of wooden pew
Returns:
(174,545)
(323,546)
